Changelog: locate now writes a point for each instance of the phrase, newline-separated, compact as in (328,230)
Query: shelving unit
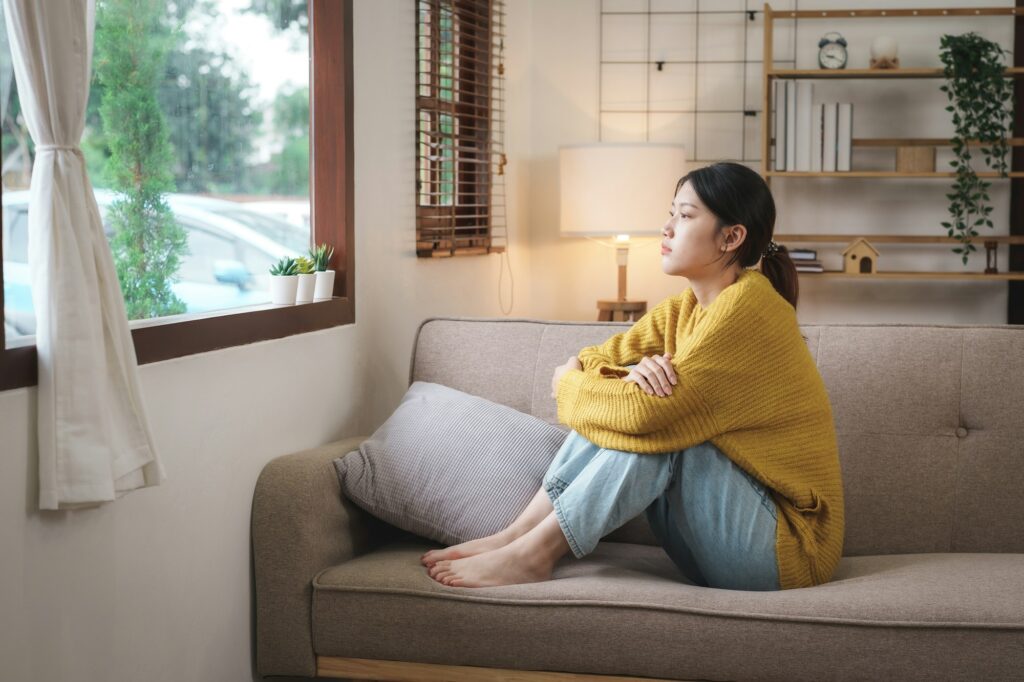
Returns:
(767,139)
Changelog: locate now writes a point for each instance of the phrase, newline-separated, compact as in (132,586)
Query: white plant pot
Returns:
(283,288)
(324,285)
(304,293)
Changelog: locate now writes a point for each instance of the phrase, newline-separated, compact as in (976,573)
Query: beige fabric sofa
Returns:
(930,421)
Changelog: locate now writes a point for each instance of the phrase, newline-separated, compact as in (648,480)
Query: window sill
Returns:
(181,335)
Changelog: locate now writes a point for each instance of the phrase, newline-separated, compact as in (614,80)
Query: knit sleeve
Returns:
(646,337)
(617,414)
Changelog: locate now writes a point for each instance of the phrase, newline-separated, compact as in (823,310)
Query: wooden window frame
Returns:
(471,190)
(332,220)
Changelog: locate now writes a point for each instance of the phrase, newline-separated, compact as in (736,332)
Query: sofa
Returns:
(930,425)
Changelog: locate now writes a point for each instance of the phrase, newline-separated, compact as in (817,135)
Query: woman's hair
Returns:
(738,195)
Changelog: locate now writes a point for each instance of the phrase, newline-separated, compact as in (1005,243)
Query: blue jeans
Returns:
(715,521)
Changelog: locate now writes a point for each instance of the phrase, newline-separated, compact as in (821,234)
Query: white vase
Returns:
(283,288)
(324,289)
(304,293)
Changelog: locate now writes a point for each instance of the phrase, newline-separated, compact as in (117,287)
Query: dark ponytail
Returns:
(738,195)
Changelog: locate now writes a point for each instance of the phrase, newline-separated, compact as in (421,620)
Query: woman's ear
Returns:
(736,235)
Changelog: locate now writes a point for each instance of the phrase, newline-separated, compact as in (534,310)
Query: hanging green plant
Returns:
(980,101)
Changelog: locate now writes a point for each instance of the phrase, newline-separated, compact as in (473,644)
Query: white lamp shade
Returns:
(611,189)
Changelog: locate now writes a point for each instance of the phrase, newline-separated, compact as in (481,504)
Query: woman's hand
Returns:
(654,374)
(572,363)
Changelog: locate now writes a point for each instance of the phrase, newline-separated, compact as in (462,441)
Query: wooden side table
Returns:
(620,310)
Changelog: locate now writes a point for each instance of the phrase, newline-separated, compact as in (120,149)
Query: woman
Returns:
(721,429)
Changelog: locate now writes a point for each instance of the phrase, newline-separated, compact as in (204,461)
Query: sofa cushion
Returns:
(625,609)
(450,466)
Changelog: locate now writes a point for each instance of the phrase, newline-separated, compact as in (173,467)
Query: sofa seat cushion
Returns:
(625,609)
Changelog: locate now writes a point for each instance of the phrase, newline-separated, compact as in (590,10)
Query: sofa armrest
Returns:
(301,524)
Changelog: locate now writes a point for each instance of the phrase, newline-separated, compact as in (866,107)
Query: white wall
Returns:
(156,585)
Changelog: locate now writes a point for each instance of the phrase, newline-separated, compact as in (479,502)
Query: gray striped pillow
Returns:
(450,466)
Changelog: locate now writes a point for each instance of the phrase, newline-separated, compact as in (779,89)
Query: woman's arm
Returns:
(646,337)
(621,410)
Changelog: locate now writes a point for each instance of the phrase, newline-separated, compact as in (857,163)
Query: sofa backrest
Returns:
(929,418)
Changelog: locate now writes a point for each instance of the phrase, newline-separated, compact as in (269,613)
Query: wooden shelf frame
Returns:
(995,276)
(885,74)
(884,174)
(771,73)
(892,238)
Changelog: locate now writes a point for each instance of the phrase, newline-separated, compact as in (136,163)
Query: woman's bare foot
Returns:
(529,558)
(536,511)
(507,565)
(468,548)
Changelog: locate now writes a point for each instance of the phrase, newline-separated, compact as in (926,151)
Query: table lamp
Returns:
(618,189)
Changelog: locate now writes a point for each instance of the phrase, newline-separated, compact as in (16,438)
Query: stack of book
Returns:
(810,137)
(806,260)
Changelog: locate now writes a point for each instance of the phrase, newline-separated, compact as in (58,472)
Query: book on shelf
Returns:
(817,119)
(810,267)
(790,125)
(804,106)
(779,117)
(844,136)
(803,254)
(829,126)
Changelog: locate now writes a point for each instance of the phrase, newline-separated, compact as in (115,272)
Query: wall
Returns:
(564,110)
(156,586)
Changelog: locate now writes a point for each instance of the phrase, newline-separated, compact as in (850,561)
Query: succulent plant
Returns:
(321,256)
(304,266)
(284,267)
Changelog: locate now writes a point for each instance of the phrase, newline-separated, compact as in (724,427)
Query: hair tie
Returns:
(771,249)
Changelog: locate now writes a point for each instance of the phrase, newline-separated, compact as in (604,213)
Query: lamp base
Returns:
(608,311)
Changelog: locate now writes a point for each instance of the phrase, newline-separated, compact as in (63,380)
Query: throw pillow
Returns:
(450,466)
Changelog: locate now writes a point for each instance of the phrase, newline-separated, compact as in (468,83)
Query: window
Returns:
(233,237)
(460,194)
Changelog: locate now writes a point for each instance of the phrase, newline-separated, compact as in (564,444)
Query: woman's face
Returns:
(689,234)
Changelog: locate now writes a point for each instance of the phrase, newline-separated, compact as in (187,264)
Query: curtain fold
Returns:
(95,443)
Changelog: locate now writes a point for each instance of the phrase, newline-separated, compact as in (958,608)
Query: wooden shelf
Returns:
(908,72)
(866,13)
(996,276)
(894,238)
(882,174)
(922,142)
(770,72)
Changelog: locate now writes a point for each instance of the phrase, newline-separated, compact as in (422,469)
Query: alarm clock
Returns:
(832,51)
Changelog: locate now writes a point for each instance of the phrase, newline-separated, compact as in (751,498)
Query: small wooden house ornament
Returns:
(860,257)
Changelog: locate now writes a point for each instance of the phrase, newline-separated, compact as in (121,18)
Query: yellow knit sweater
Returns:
(748,383)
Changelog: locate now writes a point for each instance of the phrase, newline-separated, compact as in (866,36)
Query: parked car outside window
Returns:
(227,264)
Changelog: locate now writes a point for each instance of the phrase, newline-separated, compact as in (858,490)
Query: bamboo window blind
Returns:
(460,157)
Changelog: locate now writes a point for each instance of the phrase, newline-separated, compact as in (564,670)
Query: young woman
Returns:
(720,430)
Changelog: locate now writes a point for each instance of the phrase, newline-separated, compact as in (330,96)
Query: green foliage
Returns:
(321,256)
(304,266)
(209,108)
(283,13)
(148,243)
(980,101)
(213,121)
(285,267)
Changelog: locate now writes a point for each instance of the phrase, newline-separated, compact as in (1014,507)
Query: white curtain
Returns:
(95,443)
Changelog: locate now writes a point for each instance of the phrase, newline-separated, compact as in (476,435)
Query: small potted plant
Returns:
(307,278)
(284,281)
(321,256)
